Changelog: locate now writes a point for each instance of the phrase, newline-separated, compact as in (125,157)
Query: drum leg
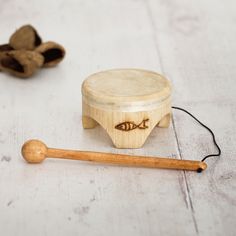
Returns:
(88,123)
(165,121)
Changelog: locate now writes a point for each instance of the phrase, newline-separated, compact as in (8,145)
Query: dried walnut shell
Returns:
(26,37)
(4,48)
(53,53)
(21,63)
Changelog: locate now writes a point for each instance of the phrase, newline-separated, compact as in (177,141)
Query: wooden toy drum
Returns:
(127,103)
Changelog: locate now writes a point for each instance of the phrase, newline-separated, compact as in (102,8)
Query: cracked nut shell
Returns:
(21,63)
(4,48)
(53,53)
(26,37)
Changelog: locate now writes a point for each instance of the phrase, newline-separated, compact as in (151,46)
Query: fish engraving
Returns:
(130,125)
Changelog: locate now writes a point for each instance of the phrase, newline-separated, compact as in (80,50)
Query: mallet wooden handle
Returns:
(34,151)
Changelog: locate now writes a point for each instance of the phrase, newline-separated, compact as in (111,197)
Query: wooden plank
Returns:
(194,41)
(71,198)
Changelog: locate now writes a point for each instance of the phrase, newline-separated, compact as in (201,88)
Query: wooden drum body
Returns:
(127,103)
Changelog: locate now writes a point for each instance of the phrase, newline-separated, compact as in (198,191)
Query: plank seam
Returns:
(153,25)
(185,177)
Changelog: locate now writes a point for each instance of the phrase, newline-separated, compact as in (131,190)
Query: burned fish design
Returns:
(130,125)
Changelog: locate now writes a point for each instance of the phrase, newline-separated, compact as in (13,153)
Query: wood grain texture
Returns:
(196,52)
(190,42)
(127,103)
(35,152)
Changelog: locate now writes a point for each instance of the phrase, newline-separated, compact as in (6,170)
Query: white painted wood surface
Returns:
(193,44)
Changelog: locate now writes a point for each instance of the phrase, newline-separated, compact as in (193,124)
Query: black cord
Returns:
(213,135)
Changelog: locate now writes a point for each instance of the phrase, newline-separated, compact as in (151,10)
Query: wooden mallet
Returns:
(35,151)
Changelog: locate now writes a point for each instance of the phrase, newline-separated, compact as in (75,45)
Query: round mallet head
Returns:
(34,151)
